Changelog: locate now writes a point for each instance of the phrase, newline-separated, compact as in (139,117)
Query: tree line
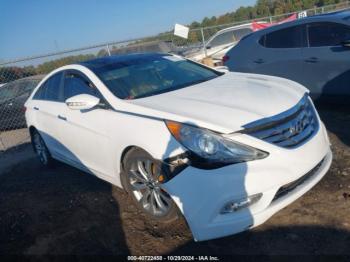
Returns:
(262,8)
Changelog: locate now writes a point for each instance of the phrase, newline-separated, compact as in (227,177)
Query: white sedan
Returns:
(225,150)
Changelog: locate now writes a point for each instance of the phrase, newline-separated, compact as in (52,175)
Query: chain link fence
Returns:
(19,77)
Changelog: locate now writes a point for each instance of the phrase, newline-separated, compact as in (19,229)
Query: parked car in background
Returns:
(313,51)
(181,137)
(12,98)
(217,46)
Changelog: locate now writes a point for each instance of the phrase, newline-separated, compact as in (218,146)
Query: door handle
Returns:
(311,60)
(36,108)
(259,61)
(62,118)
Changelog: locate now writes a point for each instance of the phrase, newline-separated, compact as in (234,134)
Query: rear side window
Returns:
(327,34)
(291,37)
(40,93)
(75,84)
(50,90)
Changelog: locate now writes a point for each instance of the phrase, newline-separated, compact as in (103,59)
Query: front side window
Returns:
(150,75)
(291,37)
(75,84)
(327,34)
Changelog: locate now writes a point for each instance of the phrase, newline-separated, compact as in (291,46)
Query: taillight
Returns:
(225,58)
(24,109)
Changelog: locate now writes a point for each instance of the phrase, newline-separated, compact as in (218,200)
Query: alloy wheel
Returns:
(144,180)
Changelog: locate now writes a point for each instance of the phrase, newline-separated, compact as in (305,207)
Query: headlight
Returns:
(211,150)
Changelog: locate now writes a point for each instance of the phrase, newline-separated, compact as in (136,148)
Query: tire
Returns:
(41,149)
(139,178)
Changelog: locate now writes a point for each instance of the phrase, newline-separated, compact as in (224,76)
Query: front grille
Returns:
(288,129)
(284,190)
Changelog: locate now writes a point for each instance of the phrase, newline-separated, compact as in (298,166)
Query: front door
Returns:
(85,133)
(279,53)
(326,62)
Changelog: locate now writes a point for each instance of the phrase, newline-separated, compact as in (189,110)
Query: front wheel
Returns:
(141,178)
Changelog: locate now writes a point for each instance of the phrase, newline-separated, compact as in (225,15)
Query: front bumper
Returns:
(201,194)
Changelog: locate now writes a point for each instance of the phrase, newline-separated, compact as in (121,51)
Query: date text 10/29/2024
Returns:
(173,258)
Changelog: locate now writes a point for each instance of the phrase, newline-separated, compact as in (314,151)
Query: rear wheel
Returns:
(141,178)
(41,149)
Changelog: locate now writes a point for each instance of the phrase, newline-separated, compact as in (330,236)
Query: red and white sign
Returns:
(258,26)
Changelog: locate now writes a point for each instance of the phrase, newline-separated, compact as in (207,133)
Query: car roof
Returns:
(340,16)
(337,14)
(103,61)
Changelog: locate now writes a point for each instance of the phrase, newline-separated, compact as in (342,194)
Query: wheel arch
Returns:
(122,159)
(121,163)
(122,156)
(32,129)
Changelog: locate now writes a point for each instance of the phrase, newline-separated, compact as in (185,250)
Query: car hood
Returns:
(223,104)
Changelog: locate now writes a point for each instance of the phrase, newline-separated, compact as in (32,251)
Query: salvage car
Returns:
(224,150)
(313,51)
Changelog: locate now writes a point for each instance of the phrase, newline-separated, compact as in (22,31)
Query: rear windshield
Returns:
(147,76)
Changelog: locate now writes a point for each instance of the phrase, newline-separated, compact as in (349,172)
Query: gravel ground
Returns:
(13,137)
(65,211)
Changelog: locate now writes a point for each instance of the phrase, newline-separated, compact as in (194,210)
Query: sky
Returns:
(34,27)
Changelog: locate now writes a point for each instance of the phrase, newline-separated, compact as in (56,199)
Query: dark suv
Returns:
(313,51)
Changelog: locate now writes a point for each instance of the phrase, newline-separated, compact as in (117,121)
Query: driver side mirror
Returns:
(346,43)
(82,102)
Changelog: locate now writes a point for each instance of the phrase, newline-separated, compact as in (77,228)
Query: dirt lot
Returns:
(65,211)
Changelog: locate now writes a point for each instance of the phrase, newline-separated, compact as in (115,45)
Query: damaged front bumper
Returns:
(201,194)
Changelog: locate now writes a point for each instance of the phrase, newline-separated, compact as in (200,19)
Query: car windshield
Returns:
(150,75)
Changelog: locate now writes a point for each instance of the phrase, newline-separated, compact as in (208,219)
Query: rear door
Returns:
(47,105)
(326,63)
(279,53)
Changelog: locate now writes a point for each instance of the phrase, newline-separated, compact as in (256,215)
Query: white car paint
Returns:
(95,142)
